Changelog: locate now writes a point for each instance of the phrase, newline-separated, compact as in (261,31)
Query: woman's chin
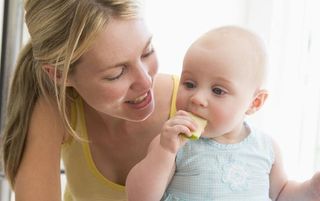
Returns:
(142,117)
(137,116)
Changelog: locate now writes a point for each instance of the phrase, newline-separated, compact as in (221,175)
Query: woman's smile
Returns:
(141,101)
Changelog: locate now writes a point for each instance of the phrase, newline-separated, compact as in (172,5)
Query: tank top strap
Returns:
(173,108)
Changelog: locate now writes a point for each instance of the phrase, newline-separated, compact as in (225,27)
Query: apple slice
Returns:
(201,125)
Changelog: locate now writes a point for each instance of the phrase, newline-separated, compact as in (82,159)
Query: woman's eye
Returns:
(148,51)
(189,85)
(115,73)
(218,91)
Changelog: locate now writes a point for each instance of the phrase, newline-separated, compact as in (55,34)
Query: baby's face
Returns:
(217,84)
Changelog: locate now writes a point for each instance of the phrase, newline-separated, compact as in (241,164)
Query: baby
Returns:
(221,82)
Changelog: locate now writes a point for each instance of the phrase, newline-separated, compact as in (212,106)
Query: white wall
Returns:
(177,23)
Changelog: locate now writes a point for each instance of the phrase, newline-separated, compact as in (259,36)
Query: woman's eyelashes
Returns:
(149,51)
(116,73)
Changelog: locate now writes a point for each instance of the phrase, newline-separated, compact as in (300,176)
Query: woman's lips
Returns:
(141,101)
(138,100)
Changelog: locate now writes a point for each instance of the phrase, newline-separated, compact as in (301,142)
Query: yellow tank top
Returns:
(84,181)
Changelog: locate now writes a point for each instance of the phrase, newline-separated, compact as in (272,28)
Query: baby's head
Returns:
(222,77)
(231,49)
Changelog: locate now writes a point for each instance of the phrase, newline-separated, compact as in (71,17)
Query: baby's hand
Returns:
(315,185)
(170,138)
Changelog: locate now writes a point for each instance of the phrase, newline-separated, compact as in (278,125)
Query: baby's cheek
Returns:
(181,103)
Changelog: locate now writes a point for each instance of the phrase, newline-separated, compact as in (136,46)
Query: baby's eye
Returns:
(218,91)
(189,85)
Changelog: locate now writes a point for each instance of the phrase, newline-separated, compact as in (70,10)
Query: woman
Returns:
(85,89)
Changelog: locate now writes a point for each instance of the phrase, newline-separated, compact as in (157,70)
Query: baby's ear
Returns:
(258,101)
(53,73)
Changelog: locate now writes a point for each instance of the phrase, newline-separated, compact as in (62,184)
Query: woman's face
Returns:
(115,77)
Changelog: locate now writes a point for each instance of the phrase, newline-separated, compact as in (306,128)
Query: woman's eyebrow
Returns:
(148,42)
(124,62)
(79,61)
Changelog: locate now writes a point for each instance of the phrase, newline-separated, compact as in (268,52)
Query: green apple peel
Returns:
(201,124)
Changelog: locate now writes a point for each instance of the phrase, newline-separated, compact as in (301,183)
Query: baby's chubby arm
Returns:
(148,179)
(281,189)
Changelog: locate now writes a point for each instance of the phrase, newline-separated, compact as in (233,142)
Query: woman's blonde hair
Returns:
(60,32)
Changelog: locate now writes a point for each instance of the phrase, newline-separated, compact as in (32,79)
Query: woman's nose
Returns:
(142,78)
(199,98)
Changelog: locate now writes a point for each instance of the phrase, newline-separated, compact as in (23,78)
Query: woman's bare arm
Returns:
(38,177)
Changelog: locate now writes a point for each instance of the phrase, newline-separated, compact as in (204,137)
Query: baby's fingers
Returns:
(180,129)
(185,120)
(177,126)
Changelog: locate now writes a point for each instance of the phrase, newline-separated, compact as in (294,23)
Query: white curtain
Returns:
(292,113)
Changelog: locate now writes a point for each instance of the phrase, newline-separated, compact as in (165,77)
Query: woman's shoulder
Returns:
(46,107)
(163,80)
(164,84)
(46,119)
(163,91)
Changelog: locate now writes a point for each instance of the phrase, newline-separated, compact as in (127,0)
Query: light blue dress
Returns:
(209,171)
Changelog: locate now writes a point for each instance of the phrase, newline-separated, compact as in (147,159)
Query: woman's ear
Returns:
(53,73)
(258,101)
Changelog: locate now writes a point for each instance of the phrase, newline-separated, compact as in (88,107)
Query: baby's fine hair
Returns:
(255,46)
